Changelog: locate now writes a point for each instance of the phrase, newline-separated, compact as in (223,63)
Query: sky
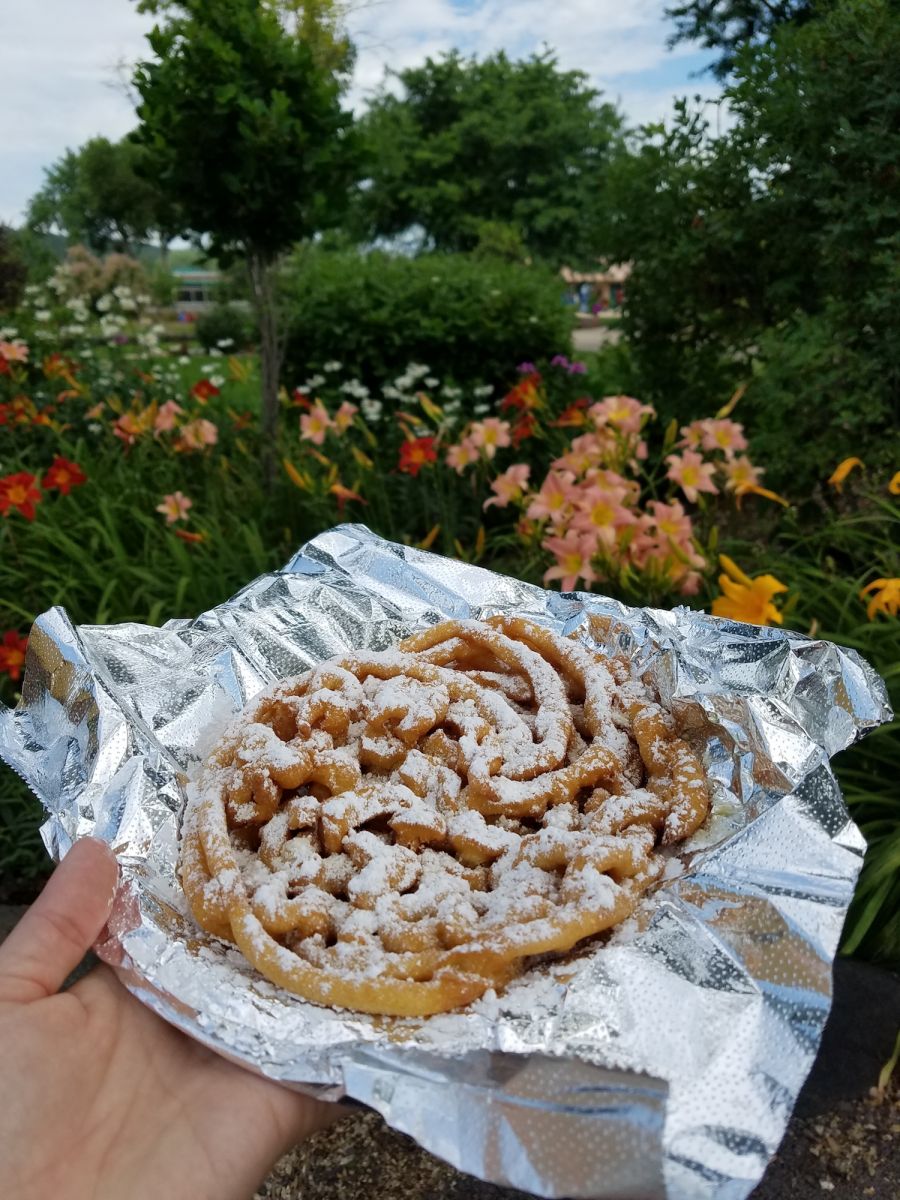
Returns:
(64,63)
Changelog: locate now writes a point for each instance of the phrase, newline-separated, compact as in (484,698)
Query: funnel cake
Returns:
(396,832)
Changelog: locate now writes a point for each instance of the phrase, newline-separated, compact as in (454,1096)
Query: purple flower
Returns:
(559,360)
(577,368)
(526,368)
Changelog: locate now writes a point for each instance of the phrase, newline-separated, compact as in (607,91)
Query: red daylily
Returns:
(415,454)
(12,653)
(19,491)
(203,390)
(574,416)
(64,475)
(187,536)
(523,396)
(524,428)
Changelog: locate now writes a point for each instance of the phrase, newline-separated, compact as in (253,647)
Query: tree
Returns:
(247,136)
(770,254)
(472,145)
(102,195)
(728,25)
(13,270)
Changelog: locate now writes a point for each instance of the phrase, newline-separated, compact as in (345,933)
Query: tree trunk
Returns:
(262,283)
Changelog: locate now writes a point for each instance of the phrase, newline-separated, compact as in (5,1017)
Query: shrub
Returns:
(224,323)
(822,391)
(471,321)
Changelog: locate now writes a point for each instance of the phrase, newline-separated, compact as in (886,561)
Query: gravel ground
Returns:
(842,1141)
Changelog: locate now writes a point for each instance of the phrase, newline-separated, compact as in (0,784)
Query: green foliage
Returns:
(769,255)
(13,270)
(518,143)
(826,562)
(224,323)
(468,320)
(729,25)
(242,126)
(610,371)
(103,195)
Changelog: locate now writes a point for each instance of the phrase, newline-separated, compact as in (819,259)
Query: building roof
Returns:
(612,273)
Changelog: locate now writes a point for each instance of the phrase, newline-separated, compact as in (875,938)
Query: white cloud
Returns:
(59,83)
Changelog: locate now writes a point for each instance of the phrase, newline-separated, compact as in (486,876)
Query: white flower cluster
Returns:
(355,388)
(372,410)
(411,376)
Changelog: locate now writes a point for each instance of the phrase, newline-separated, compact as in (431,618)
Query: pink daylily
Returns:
(166,417)
(490,435)
(554,500)
(343,418)
(601,514)
(671,520)
(462,455)
(573,555)
(692,474)
(626,413)
(196,435)
(315,424)
(741,473)
(509,486)
(175,507)
(16,351)
(585,452)
(692,435)
(723,434)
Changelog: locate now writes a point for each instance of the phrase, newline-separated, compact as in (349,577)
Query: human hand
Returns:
(101,1099)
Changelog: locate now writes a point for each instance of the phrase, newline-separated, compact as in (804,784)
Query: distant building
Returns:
(197,290)
(597,291)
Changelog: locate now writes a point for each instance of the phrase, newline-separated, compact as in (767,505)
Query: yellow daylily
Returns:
(894,485)
(428,540)
(431,409)
(239,371)
(841,471)
(299,478)
(727,409)
(885,598)
(753,489)
(747,599)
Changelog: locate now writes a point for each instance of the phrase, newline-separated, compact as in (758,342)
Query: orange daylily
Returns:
(343,494)
(894,485)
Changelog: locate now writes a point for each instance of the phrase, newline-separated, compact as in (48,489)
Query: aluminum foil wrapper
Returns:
(661,1062)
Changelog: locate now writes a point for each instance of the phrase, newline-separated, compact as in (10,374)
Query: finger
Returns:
(61,926)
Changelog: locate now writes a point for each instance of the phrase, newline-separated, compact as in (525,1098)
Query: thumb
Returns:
(61,926)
